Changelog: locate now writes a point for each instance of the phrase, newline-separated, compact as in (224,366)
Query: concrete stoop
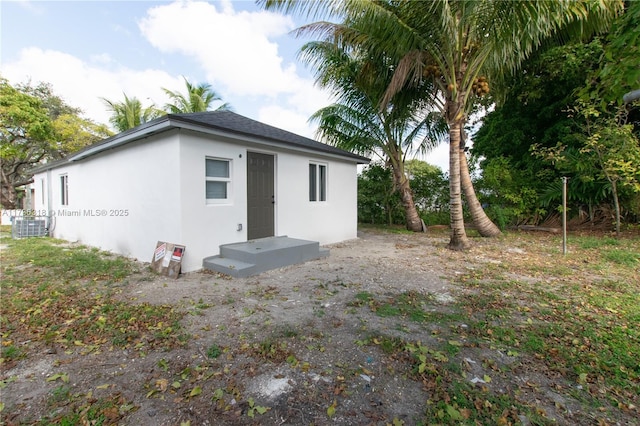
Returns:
(253,257)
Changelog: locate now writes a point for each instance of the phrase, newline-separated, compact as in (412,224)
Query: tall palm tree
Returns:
(130,113)
(198,98)
(453,43)
(356,123)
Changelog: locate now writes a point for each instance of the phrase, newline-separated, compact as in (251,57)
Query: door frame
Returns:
(267,198)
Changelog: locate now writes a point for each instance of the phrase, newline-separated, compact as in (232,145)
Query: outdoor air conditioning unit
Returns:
(24,228)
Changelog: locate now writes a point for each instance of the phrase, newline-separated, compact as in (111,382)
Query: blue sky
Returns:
(93,49)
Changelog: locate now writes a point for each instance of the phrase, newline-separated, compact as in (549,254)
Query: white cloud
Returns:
(235,49)
(102,58)
(286,119)
(31,6)
(82,85)
(238,52)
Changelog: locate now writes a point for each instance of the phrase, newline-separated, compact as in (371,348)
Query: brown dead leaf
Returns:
(162,384)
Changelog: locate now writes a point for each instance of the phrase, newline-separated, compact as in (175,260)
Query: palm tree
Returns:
(355,122)
(453,43)
(129,113)
(483,224)
(198,98)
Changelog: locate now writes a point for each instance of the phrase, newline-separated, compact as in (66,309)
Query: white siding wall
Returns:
(207,226)
(328,221)
(161,183)
(40,202)
(136,186)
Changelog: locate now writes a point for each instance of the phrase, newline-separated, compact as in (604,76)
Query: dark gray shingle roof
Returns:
(221,121)
(230,121)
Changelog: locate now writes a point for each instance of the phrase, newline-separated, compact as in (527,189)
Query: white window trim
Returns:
(319,182)
(218,201)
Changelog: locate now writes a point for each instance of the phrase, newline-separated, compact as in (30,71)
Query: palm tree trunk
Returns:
(483,224)
(414,222)
(459,240)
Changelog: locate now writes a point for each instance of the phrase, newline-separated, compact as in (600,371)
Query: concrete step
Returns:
(232,267)
(255,256)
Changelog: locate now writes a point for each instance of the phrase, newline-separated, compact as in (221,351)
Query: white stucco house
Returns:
(201,180)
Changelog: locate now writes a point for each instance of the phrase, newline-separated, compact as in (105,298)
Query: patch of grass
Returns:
(581,326)
(393,229)
(98,412)
(409,305)
(288,331)
(60,394)
(388,310)
(202,305)
(272,350)
(62,295)
(214,351)
(621,257)
(363,297)
(444,317)
(70,262)
(389,345)
(533,343)
(11,352)
(591,242)
(458,402)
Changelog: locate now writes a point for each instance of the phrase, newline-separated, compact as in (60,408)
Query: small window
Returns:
(217,179)
(317,182)
(64,190)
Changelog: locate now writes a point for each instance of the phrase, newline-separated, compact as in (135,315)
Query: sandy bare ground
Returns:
(288,346)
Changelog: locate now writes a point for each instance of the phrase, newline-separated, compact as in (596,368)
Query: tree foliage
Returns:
(618,72)
(357,124)
(517,184)
(610,151)
(560,110)
(197,98)
(449,43)
(430,190)
(378,203)
(616,151)
(37,126)
(26,132)
(130,113)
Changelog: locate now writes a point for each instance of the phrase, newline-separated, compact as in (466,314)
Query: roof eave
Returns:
(119,140)
(263,140)
(171,121)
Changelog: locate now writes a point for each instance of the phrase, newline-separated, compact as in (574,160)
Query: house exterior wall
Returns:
(155,190)
(122,201)
(206,226)
(327,222)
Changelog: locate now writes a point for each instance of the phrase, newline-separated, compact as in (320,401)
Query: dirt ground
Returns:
(285,347)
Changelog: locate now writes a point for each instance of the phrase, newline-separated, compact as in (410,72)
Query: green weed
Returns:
(214,351)
(11,352)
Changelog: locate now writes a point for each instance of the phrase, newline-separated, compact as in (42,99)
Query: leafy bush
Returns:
(377,201)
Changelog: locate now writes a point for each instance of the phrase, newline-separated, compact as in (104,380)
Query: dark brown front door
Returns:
(260,195)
